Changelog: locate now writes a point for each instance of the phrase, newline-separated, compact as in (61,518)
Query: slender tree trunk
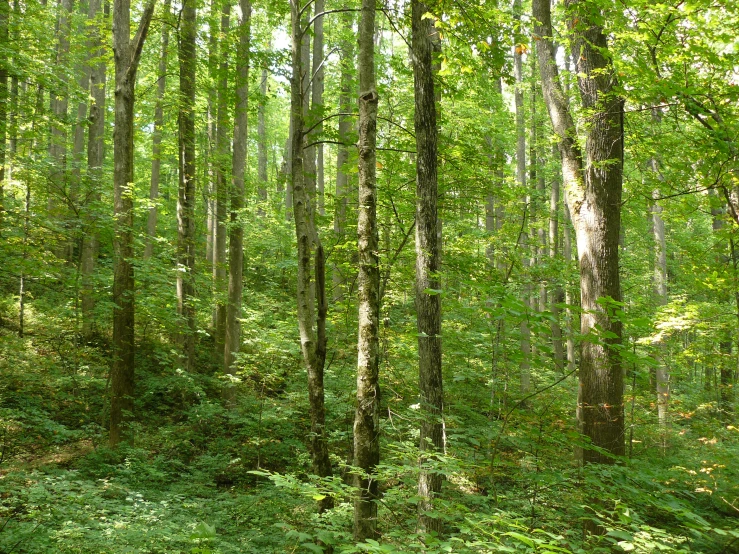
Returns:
(95,159)
(428,264)
(156,140)
(316,152)
(262,137)
(236,238)
(127,54)
(594,196)
(187,175)
(83,71)
(342,151)
(525,365)
(367,416)
(12,122)
(311,292)
(4,45)
(660,288)
(558,294)
(724,343)
(58,178)
(211,154)
(220,267)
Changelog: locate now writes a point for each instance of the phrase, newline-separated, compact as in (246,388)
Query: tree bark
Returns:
(95,159)
(236,238)
(525,365)
(262,138)
(558,294)
(4,45)
(156,140)
(428,263)
(311,292)
(342,151)
(316,152)
(126,53)
(367,415)
(220,267)
(59,98)
(186,188)
(594,196)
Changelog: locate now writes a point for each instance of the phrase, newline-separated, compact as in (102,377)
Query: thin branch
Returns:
(313,19)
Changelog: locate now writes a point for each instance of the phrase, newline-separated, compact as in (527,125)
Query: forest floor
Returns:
(205,477)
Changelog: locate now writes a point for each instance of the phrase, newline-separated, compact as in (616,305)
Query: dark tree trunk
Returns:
(428,263)
(236,238)
(127,54)
(262,137)
(4,40)
(220,266)
(367,415)
(95,159)
(156,140)
(186,189)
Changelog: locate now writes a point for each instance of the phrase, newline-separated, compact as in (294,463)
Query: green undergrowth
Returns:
(206,477)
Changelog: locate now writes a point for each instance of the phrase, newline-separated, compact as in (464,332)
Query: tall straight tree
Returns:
(95,158)
(236,237)
(59,103)
(311,287)
(4,39)
(367,415)
(127,54)
(594,187)
(317,79)
(342,150)
(156,139)
(428,262)
(518,50)
(220,267)
(186,189)
(262,137)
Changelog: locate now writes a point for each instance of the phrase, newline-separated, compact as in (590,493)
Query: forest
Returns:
(361,276)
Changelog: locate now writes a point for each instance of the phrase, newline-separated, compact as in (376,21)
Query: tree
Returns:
(236,238)
(95,159)
(428,262)
(156,140)
(220,265)
(594,185)
(367,415)
(127,54)
(311,285)
(187,176)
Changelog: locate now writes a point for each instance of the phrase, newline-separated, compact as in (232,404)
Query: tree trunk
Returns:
(156,140)
(367,416)
(262,138)
(236,238)
(594,196)
(220,267)
(525,365)
(311,293)
(428,262)
(4,46)
(95,159)
(342,151)
(83,71)
(558,294)
(127,54)
(186,189)
(317,103)
(58,140)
